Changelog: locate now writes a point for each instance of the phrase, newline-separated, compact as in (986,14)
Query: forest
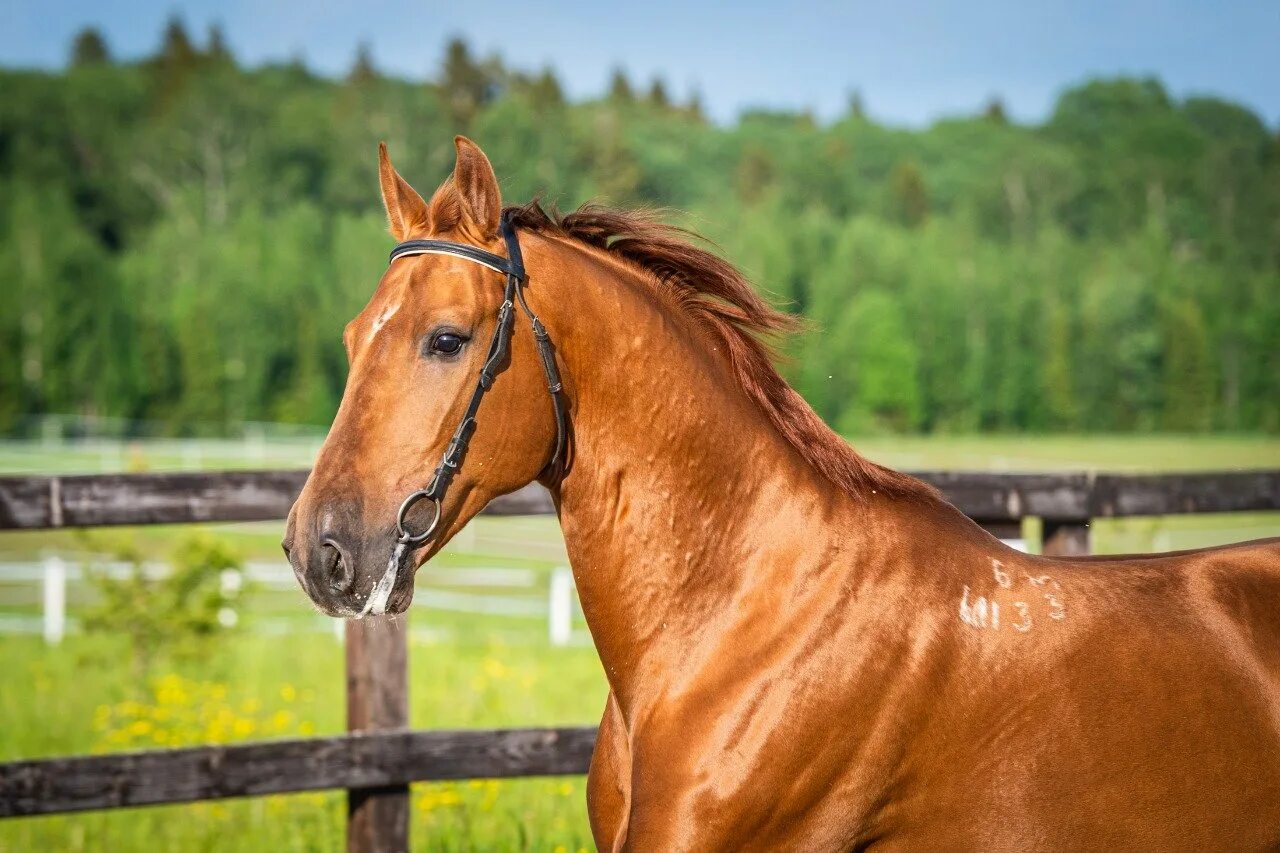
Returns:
(182,237)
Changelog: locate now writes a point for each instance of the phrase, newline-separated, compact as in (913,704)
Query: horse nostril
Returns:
(335,564)
(285,547)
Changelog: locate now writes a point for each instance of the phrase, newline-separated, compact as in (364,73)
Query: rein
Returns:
(512,266)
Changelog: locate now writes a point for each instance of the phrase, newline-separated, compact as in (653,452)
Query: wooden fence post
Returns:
(377,700)
(1064,538)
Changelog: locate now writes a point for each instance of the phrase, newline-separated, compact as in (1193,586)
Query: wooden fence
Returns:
(378,759)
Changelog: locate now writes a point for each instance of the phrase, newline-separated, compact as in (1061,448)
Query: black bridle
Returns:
(512,266)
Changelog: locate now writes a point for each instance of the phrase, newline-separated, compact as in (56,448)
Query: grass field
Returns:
(467,670)
(74,699)
(1162,452)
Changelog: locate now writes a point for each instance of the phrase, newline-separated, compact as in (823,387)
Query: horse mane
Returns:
(719,297)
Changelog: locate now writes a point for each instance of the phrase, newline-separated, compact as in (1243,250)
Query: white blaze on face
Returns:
(387,314)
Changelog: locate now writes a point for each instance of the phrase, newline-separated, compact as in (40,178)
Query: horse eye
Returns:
(447,343)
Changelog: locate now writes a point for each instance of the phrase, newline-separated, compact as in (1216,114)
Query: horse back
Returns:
(1130,701)
(1234,590)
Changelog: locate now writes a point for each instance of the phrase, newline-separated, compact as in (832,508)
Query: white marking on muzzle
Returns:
(377,603)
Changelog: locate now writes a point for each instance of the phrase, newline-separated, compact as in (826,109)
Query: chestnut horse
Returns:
(805,650)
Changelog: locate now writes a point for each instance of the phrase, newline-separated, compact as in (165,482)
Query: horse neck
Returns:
(681,492)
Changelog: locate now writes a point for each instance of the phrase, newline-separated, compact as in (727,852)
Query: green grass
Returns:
(1159,452)
(76,699)
(109,455)
(467,671)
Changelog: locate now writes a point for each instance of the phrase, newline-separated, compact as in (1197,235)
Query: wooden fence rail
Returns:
(96,500)
(376,763)
(373,760)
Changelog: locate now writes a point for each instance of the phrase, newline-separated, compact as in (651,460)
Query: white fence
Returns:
(54,574)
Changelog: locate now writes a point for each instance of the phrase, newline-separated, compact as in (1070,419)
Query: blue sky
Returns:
(912,60)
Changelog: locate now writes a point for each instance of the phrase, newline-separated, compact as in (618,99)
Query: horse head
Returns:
(414,354)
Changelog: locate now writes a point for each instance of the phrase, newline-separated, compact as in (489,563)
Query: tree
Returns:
(174,65)
(620,91)
(909,201)
(1134,147)
(295,67)
(89,48)
(176,49)
(1188,373)
(362,70)
(1057,370)
(857,110)
(658,94)
(184,239)
(883,367)
(545,91)
(693,108)
(994,111)
(464,83)
(1232,178)
(756,172)
(218,52)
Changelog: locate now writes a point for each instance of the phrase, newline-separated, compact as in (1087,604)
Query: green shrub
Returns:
(173,613)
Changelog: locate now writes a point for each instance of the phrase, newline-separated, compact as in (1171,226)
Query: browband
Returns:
(497,263)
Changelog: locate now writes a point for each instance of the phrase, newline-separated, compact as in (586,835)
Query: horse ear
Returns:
(406,211)
(477,186)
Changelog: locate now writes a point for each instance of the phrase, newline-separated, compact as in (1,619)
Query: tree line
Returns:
(182,237)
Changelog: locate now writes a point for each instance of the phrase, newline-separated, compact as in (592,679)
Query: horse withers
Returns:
(804,650)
